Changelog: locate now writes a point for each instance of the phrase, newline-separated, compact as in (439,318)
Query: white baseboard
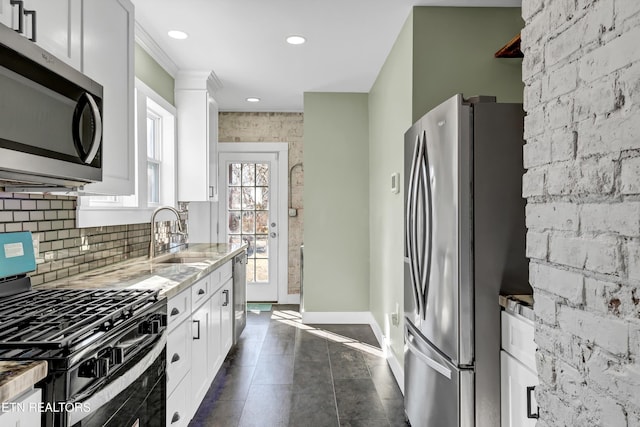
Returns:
(337,317)
(359,317)
(392,360)
(290,299)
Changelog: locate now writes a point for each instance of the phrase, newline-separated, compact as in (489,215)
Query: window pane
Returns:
(153,182)
(262,198)
(234,198)
(248,222)
(262,220)
(234,223)
(235,240)
(151,138)
(262,174)
(248,174)
(262,270)
(234,173)
(250,270)
(248,198)
(262,246)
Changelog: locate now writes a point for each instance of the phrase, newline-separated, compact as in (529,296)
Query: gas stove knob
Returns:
(151,327)
(94,368)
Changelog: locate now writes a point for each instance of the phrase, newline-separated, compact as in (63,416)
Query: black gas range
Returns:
(105,350)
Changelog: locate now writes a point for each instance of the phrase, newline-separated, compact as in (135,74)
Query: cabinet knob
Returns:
(175,418)
(175,311)
(175,357)
(200,291)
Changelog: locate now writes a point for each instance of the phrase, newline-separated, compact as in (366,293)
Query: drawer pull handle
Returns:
(175,418)
(197,322)
(529,413)
(175,357)
(175,311)
(200,291)
(226,298)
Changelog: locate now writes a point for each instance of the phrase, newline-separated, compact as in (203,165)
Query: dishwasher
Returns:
(239,295)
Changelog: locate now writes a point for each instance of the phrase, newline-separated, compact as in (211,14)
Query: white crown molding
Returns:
(155,51)
(198,80)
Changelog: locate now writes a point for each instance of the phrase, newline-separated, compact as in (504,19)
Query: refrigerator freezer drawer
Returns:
(437,393)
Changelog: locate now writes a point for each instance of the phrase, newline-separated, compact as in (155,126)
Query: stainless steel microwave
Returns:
(50,118)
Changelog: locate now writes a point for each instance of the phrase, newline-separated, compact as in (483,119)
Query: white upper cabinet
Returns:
(58,27)
(197,137)
(108,58)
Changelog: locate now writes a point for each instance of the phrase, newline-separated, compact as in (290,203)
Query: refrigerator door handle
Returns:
(409,235)
(438,367)
(426,202)
(417,255)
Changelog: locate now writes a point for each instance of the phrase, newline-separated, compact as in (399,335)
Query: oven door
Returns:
(135,396)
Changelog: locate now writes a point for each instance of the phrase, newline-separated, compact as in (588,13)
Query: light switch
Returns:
(395,183)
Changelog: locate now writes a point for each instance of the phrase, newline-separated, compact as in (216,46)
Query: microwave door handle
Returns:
(97,134)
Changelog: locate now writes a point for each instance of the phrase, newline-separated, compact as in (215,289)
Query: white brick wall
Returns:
(582,154)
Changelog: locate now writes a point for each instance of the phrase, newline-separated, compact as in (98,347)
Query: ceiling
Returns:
(243,43)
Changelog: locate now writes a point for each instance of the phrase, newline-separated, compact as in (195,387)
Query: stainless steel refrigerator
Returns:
(464,245)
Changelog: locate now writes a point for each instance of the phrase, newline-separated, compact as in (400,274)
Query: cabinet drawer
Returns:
(200,292)
(517,339)
(178,406)
(178,308)
(221,275)
(178,354)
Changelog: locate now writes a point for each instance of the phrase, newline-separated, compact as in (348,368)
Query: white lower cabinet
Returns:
(23,414)
(199,338)
(178,401)
(518,377)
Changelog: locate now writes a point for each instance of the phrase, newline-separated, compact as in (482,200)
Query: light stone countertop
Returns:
(518,304)
(18,377)
(142,273)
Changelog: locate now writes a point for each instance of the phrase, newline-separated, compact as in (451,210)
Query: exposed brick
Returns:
(595,328)
(555,216)
(630,176)
(621,218)
(560,282)
(533,183)
(616,54)
(601,254)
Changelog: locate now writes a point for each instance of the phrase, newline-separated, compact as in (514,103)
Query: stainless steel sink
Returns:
(183,260)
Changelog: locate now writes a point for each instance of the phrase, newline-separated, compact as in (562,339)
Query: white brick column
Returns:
(582,183)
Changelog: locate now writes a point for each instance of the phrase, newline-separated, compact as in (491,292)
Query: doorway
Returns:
(252,210)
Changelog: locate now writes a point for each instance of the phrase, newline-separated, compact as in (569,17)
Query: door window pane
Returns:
(248,215)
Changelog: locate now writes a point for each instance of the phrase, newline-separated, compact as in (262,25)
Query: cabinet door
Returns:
(7,14)
(23,416)
(214,334)
(178,354)
(515,378)
(227,314)
(193,164)
(212,139)
(108,59)
(178,402)
(58,28)
(200,356)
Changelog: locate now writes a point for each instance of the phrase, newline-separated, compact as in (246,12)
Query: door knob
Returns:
(273,234)
(273,224)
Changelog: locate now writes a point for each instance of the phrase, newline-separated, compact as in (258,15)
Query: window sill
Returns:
(105,216)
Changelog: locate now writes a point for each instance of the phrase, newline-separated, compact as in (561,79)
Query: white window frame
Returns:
(96,211)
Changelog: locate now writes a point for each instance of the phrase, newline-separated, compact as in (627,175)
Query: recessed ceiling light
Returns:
(296,40)
(252,99)
(177,34)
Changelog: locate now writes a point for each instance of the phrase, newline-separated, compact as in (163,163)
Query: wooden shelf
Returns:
(511,49)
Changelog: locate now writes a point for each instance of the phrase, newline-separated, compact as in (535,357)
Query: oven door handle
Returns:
(100,393)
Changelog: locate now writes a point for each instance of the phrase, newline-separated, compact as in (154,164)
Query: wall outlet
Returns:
(395,316)
(36,247)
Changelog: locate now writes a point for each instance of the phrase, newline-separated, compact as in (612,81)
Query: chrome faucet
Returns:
(152,244)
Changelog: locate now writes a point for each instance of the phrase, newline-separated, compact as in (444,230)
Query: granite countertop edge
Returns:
(18,377)
(518,304)
(142,273)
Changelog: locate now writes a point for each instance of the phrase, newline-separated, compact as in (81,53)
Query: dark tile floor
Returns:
(285,373)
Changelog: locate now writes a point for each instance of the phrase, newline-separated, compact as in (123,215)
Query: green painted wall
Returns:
(453,51)
(389,117)
(336,201)
(153,75)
